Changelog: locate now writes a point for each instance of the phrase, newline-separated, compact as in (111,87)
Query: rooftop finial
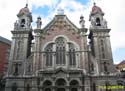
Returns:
(60,11)
(94,4)
(39,22)
(26,3)
(82,21)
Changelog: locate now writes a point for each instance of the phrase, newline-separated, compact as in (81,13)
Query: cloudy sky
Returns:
(114,14)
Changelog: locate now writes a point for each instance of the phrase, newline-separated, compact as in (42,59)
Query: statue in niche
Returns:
(39,23)
(82,22)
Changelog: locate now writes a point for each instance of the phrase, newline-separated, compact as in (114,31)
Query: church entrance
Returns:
(60,84)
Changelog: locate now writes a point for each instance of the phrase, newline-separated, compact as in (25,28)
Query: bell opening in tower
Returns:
(22,22)
(98,22)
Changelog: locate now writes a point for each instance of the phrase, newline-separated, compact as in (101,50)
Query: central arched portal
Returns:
(47,85)
(60,85)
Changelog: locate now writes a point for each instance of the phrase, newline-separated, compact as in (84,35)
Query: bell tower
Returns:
(20,51)
(100,41)
(25,18)
(96,18)
(21,42)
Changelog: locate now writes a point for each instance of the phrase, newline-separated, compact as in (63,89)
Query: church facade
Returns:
(61,58)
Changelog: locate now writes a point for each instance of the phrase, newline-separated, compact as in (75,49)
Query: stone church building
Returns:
(61,56)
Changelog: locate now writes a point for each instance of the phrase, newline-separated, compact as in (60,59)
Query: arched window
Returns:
(49,55)
(19,52)
(56,51)
(98,23)
(14,87)
(47,85)
(60,51)
(72,55)
(22,22)
(102,49)
(61,82)
(74,85)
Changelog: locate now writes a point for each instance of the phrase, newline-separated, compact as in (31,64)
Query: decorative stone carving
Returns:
(39,23)
(104,23)
(93,23)
(82,22)
(16,25)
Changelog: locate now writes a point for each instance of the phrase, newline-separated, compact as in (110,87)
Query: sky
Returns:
(114,14)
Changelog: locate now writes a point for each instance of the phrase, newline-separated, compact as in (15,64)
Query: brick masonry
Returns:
(4,55)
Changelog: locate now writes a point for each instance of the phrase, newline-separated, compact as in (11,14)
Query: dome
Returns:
(24,11)
(96,9)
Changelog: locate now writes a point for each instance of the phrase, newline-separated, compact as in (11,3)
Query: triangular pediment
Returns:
(60,70)
(60,22)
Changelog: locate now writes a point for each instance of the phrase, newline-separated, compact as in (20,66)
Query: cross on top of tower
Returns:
(26,2)
(26,5)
